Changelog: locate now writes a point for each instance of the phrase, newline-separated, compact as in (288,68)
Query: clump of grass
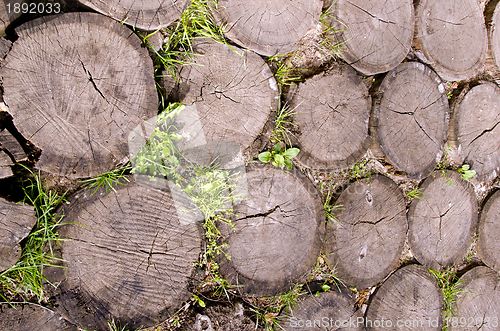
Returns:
(283,125)
(108,180)
(449,284)
(328,34)
(359,170)
(324,272)
(413,194)
(113,326)
(466,172)
(330,210)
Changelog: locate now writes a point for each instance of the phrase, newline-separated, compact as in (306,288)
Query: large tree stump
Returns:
(452,36)
(376,35)
(408,300)
(129,255)
(148,15)
(443,221)
(277,231)
(268,27)
(233,91)
(78,90)
(489,232)
(478,129)
(365,242)
(478,303)
(32,317)
(495,35)
(331,112)
(16,222)
(413,111)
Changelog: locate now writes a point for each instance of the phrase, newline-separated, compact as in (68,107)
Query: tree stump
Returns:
(495,36)
(332,113)
(5,165)
(408,300)
(10,145)
(129,256)
(452,36)
(147,15)
(376,35)
(268,27)
(489,232)
(478,129)
(32,317)
(367,239)
(233,91)
(8,16)
(16,222)
(330,311)
(478,303)
(78,91)
(277,233)
(413,111)
(443,221)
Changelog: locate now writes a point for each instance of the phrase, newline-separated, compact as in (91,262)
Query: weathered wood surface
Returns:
(277,235)
(268,27)
(409,295)
(365,242)
(413,111)
(332,112)
(489,232)
(5,165)
(149,15)
(495,35)
(16,222)
(31,317)
(9,144)
(78,90)
(232,90)
(452,36)
(443,221)
(129,255)
(376,35)
(6,16)
(478,303)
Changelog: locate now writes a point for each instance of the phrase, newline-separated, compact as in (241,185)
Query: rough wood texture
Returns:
(129,256)
(5,165)
(6,16)
(443,221)
(376,35)
(366,241)
(11,146)
(489,232)
(32,317)
(78,90)
(234,93)
(330,311)
(16,222)
(412,111)
(452,36)
(268,27)
(478,130)
(410,295)
(332,111)
(149,15)
(276,239)
(495,35)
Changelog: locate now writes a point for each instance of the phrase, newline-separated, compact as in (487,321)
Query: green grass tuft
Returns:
(466,173)
(413,194)
(449,284)
(360,170)
(283,126)
(108,180)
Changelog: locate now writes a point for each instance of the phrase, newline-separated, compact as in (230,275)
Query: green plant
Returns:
(328,40)
(322,271)
(415,193)
(283,125)
(279,156)
(285,74)
(112,326)
(466,173)
(196,299)
(330,209)
(108,180)
(449,284)
(359,170)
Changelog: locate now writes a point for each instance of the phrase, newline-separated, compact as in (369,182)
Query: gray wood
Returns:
(443,221)
(5,165)
(78,91)
(410,294)
(6,16)
(367,239)
(268,27)
(31,317)
(16,222)
(9,144)
(495,35)
(452,36)
(376,35)
(277,232)
(129,255)
(489,231)
(413,111)
(332,111)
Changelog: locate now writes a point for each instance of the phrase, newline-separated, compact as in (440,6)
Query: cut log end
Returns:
(32,317)
(489,232)
(495,35)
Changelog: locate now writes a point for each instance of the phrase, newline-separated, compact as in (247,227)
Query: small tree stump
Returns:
(16,222)
(376,35)
(409,296)
(452,36)
(365,242)
(443,221)
(129,255)
(330,311)
(268,27)
(478,303)
(332,113)
(413,111)
(478,129)
(495,35)
(78,90)
(277,233)
(489,232)
(234,93)
(32,317)
(147,15)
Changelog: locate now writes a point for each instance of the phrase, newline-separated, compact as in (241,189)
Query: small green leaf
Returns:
(277,148)
(291,153)
(279,160)
(288,164)
(465,167)
(325,287)
(265,157)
